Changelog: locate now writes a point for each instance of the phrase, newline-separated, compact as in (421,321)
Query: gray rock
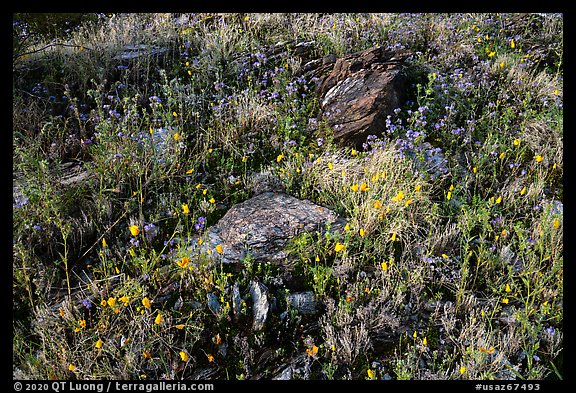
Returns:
(261,304)
(509,257)
(263,225)
(135,51)
(304,302)
(507,316)
(555,208)
(236,301)
(284,375)
(213,303)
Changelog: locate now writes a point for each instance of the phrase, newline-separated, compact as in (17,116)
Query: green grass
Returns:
(450,265)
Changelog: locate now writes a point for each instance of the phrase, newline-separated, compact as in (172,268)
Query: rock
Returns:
(68,173)
(507,316)
(260,182)
(292,368)
(509,257)
(213,303)
(554,208)
(304,302)
(135,51)
(263,225)
(284,375)
(429,159)
(261,304)
(236,301)
(360,91)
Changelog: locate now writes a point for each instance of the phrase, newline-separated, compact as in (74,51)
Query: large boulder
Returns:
(263,225)
(360,91)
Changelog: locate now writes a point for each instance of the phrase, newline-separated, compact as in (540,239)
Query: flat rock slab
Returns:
(263,225)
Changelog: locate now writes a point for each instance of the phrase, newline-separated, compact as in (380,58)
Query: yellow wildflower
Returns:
(177,137)
(212,200)
(61,312)
(111,301)
(384,265)
(505,300)
(339,247)
(425,341)
(371,374)
(134,230)
(147,355)
(179,326)
(449,195)
(330,166)
(538,158)
(71,367)
(124,299)
(354,187)
(183,356)
(219,249)
(103,303)
(523,191)
(210,358)
(393,237)
(174,114)
(354,152)
(312,351)
(184,262)
(185,208)
(462,369)
(158,319)
(398,196)
(364,187)
(362,233)
(517,142)
(280,157)
(508,289)
(556,223)
(512,44)
(347,227)
(502,155)
(82,323)
(104,244)
(377,204)
(418,188)
(99,344)
(408,202)
(498,200)
(146,302)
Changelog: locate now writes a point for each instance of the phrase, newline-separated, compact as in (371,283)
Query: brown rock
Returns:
(360,91)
